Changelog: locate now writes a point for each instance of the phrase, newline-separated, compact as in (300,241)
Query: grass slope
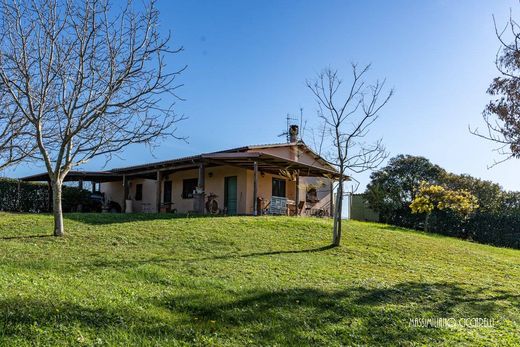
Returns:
(155,280)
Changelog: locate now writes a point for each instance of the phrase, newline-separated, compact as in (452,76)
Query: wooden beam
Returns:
(225,163)
(125,192)
(136,173)
(297,193)
(235,155)
(255,188)
(201,185)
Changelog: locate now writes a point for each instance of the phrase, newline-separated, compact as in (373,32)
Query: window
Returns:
(167,192)
(138,192)
(278,187)
(188,186)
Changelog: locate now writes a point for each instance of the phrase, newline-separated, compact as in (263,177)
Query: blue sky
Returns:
(248,62)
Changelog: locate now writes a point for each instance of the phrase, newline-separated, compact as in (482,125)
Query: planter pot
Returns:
(128,206)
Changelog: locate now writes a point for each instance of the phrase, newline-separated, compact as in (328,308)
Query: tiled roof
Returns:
(237,149)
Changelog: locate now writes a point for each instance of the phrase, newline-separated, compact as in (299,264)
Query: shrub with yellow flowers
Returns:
(432,196)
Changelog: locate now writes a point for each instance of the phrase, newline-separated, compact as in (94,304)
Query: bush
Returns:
(495,229)
(394,187)
(73,197)
(17,196)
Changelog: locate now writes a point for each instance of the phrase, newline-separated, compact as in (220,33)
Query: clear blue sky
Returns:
(248,61)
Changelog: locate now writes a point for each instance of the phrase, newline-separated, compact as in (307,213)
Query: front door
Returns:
(230,194)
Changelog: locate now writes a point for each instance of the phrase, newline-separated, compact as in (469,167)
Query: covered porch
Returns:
(252,177)
(230,183)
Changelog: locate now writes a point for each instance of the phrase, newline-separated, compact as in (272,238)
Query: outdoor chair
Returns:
(278,205)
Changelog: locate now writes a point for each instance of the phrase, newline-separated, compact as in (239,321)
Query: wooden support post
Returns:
(80,184)
(125,192)
(297,193)
(158,181)
(93,187)
(331,198)
(255,188)
(202,189)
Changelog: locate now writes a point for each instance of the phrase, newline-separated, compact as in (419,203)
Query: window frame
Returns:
(186,184)
(276,187)
(139,192)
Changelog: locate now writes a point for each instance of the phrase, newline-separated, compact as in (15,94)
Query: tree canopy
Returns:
(395,186)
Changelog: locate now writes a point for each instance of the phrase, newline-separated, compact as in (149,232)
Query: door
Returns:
(167,192)
(230,194)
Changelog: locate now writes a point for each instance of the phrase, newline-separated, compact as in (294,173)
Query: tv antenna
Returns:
(289,121)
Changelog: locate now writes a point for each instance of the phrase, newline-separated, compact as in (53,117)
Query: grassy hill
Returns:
(155,280)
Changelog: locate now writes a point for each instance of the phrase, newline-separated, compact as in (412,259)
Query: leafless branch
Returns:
(346,114)
(84,79)
(502,115)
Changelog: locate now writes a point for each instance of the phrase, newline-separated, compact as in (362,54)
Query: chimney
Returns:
(293,133)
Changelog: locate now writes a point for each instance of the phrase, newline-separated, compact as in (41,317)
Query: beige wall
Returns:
(265,187)
(114,191)
(213,184)
(292,153)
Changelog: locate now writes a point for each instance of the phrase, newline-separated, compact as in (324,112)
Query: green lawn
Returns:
(156,280)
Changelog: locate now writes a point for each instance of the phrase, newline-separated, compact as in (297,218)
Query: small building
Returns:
(360,210)
(274,178)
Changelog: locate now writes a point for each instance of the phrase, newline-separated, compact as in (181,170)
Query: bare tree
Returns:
(346,113)
(502,115)
(15,144)
(87,79)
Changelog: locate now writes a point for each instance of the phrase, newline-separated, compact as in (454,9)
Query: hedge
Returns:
(32,197)
(497,229)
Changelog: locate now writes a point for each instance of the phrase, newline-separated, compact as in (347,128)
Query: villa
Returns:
(285,178)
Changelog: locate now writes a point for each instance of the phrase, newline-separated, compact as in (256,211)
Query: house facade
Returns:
(290,171)
(247,180)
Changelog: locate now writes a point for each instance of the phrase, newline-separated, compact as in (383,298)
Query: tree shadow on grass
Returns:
(117,218)
(21,237)
(130,263)
(356,315)
(298,316)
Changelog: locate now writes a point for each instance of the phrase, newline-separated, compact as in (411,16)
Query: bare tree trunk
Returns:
(336,234)
(345,124)
(82,79)
(56,208)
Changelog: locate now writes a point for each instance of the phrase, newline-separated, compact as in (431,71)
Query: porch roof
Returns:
(269,163)
(266,163)
(95,176)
